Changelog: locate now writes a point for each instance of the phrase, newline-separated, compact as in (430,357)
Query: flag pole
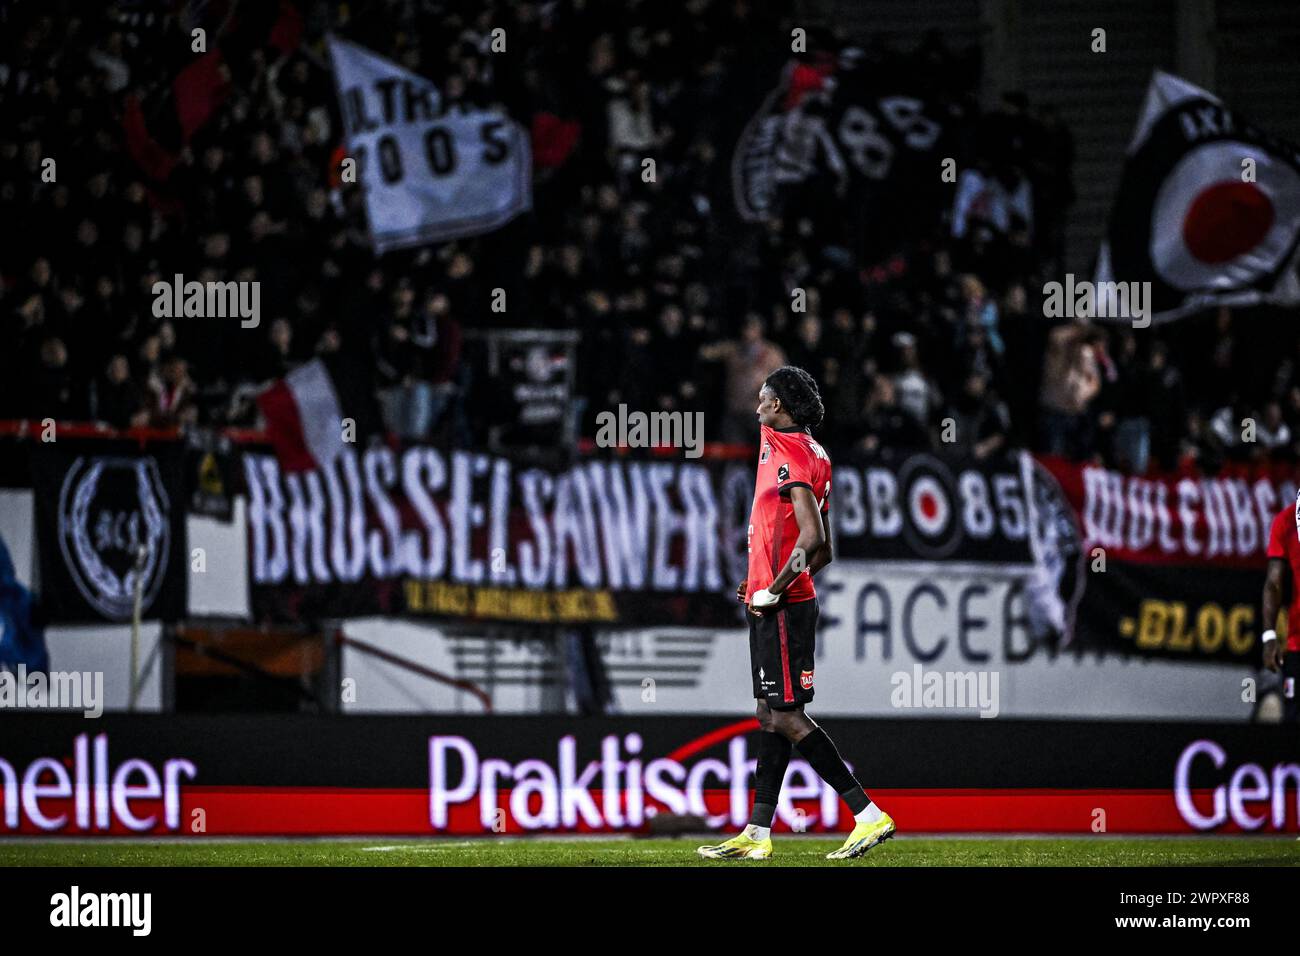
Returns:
(141,553)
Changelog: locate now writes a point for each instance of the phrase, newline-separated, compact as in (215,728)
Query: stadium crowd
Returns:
(226,168)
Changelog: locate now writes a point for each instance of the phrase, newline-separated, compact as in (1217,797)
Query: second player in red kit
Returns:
(1284,570)
(789,542)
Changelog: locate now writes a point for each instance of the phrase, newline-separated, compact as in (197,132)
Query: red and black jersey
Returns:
(1284,543)
(787,458)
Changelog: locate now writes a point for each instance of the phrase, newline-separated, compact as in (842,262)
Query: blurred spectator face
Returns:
(670,320)
(1273,415)
(1128,345)
(216,246)
(972,290)
(460,266)
(150,349)
(54,354)
(32,311)
(437,303)
(118,370)
(263,150)
(1017,301)
(132,237)
(281,334)
(40,273)
(571,260)
(601,57)
(175,371)
(536,259)
(253,190)
(752,331)
(976,385)
(607,198)
(598,301)
(810,330)
(882,391)
(167,336)
(259,227)
(104,287)
(213,157)
(87,233)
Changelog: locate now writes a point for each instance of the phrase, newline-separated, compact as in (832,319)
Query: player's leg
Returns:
(769,774)
(755,841)
(797,626)
(871,825)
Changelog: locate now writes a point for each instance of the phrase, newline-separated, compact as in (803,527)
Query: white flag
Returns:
(429,172)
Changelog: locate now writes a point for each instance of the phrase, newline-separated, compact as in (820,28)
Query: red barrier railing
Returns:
(32,429)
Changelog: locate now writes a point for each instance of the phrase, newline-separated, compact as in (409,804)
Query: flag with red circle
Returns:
(1208,207)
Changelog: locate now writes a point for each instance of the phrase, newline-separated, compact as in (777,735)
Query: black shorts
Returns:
(781,645)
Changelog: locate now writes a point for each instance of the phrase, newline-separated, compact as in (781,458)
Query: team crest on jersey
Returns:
(806,680)
(766,453)
(783,474)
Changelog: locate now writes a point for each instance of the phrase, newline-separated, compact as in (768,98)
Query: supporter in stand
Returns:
(660,278)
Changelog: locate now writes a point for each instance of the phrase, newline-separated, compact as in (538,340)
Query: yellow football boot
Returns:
(864,837)
(742,847)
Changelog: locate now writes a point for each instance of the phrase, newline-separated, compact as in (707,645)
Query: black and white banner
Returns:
(1208,207)
(430,172)
(107,520)
(422,532)
(830,125)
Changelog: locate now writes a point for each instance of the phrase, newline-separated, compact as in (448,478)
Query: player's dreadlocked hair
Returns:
(798,394)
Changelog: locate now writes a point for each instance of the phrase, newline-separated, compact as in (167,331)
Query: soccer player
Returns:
(1284,568)
(789,542)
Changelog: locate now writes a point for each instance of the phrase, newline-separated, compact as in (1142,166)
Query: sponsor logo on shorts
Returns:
(806,680)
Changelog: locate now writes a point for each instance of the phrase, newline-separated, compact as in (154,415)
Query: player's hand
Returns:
(741,588)
(1274,653)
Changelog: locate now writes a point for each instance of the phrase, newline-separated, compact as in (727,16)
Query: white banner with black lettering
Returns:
(431,171)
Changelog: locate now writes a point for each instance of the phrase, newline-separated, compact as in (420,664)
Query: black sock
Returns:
(773,755)
(822,756)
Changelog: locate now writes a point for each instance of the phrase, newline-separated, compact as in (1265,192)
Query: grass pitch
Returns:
(790,851)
